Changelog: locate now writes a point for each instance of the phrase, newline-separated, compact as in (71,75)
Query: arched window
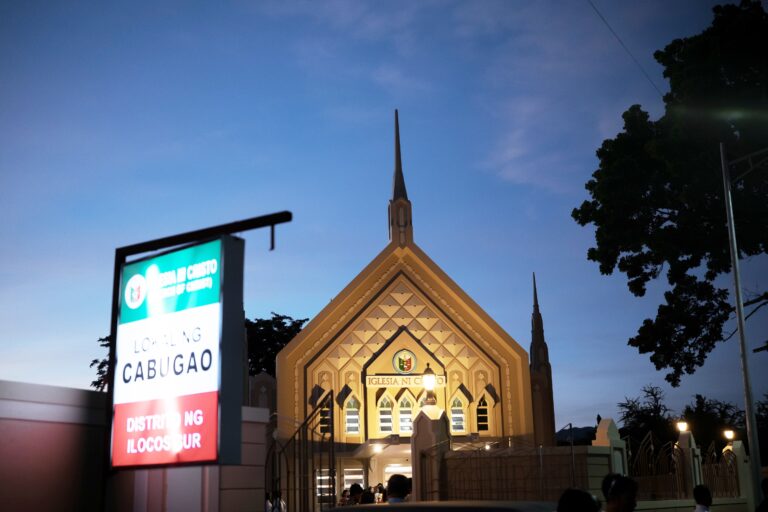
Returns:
(352,416)
(457,416)
(482,415)
(406,412)
(385,415)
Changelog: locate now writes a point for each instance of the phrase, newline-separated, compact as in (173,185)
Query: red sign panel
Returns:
(166,431)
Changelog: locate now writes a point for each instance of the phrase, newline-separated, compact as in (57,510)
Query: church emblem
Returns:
(404,361)
(135,291)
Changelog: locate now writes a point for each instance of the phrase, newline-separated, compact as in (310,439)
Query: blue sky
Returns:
(123,123)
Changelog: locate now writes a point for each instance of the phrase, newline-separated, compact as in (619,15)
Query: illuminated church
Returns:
(371,344)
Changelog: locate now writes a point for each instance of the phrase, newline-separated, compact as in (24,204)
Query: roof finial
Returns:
(535,295)
(398,189)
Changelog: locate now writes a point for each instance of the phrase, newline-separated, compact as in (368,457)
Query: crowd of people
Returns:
(398,489)
(619,492)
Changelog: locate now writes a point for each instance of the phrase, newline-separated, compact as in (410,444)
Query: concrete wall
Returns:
(242,487)
(51,448)
(52,458)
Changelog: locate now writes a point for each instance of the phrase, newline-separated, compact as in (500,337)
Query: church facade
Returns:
(371,345)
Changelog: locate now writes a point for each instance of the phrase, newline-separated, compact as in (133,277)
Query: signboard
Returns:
(401,381)
(176,350)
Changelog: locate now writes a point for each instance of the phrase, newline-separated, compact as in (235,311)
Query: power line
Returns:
(642,70)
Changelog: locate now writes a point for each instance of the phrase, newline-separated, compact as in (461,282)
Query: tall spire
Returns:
(398,188)
(541,379)
(539,351)
(400,227)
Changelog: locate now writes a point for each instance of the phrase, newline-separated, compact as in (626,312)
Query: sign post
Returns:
(178,356)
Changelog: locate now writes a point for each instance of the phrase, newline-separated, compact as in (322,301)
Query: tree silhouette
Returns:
(102,367)
(657,197)
(646,413)
(266,336)
(708,419)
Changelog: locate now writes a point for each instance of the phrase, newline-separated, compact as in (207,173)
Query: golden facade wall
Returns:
(404,301)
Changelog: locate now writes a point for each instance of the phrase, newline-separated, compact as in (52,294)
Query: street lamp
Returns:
(428,379)
(573,456)
(682,426)
(729,435)
(754,447)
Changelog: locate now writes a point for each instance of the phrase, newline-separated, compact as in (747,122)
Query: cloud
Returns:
(551,86)
(527,151)
(361,20)
(393,78)
(490,17)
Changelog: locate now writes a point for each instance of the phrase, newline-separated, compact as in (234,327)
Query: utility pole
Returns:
(754,448)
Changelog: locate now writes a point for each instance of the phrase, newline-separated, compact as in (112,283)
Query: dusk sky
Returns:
(121,123)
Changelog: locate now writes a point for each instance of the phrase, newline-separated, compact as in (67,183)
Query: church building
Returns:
(400,317)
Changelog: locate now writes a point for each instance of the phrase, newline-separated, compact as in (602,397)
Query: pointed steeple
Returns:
(541,379)
(400,226)
(398,186)
(539,351)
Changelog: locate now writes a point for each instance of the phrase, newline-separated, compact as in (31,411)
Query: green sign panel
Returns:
(173,282)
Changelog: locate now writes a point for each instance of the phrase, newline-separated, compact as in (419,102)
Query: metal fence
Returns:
(720,473)
(303,469)
(660,470)
(520,473)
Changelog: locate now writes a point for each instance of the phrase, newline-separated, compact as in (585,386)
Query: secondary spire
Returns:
(400,225)
(541,378)
(539,352)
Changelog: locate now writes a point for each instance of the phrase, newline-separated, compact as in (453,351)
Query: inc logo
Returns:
(135,291)
(404,361)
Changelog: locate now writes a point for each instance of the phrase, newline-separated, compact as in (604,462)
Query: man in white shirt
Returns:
(703,498)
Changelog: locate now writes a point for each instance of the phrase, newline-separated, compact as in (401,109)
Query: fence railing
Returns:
(512,474)
(496,471)
(660,470)
(303,468)
(499,470)
(720,473)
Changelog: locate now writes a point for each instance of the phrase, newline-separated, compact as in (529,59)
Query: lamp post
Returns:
(428,379)
(573,457)
(754,448)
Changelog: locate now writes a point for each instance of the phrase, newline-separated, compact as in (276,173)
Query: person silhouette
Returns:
(763,506)
(577,500)
(398,487)
(702,497)
(620,493)
(355,492)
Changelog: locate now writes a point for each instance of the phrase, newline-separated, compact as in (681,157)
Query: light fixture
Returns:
(682,426)
(729,435)
(428,379)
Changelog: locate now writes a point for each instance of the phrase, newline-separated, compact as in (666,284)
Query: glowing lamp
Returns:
(428,379)
(729,435)
(682,426)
